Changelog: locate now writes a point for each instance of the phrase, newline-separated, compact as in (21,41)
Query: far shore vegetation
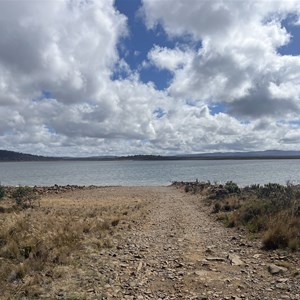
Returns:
(12,156)
(270,212)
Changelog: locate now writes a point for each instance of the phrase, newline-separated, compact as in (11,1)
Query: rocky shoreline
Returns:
(54,189)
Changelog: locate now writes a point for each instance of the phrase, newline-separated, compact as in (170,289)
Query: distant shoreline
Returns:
(12,156)
(160,158)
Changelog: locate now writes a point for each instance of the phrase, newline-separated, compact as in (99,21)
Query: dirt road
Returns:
(179,251)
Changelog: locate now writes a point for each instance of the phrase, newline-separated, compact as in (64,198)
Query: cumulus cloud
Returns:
(170,59)
(56,63)
(58,46)
(61,93)
(238,62)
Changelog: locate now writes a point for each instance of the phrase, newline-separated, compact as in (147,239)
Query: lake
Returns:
(137,173)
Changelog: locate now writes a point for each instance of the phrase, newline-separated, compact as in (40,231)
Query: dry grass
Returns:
(283,232)
(42,242)
(230,203)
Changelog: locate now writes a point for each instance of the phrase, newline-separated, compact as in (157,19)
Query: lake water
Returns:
(137,173)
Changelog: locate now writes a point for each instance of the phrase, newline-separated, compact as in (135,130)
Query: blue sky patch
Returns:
(44,95)
(293,47)
(161,78)
(217,108)
(47,95)
(159,112)
(50,129)
(135,47)
(295,122)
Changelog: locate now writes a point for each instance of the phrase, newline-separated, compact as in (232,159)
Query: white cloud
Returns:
(65,47)
(58,58)
(170,59)
(238,61)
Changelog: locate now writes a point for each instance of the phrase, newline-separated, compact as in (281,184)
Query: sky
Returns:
(165,77)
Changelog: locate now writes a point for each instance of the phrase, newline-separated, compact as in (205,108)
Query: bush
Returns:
(24,197)
(2,192)
(274,239)
(282,197)
(256,225)
(283,232)
(232,187)
(220,193)
(217,207)
(250,212)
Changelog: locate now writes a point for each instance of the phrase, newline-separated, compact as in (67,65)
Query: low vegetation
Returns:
(2,192)
(25,197)
(271,211)
(38,241)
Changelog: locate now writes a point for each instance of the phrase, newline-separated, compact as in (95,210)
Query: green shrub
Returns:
(250,212)
(255,187)
(2,192)
(217,207)
(232,187)
(220,193)
(24,197)
(282,197)
(256,225)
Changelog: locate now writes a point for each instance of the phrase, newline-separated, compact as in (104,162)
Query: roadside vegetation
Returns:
(38,239)
(270,211)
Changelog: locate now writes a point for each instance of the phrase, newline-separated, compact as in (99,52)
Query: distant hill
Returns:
(17,156)
(256,154)
(6,155)
(269,154)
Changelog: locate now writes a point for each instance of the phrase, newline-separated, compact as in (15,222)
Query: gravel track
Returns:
(178,251)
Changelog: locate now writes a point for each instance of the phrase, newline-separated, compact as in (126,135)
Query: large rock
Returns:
(235,260)
(274,270)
